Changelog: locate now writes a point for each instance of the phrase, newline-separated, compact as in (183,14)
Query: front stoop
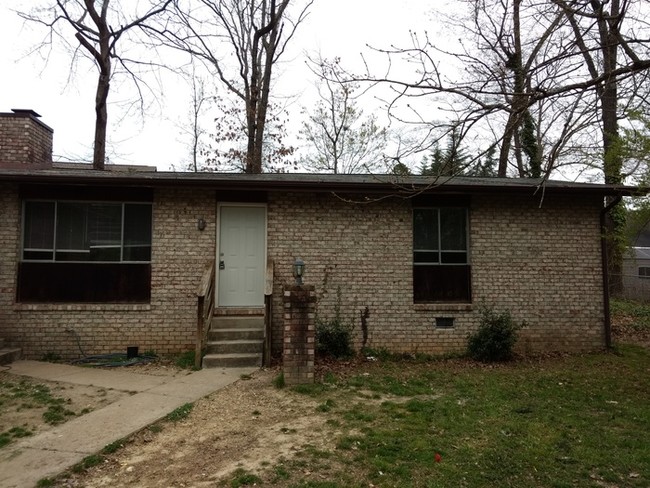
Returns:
(235,341)
(9,354)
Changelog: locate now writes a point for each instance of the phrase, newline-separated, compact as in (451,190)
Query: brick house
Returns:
(96,261)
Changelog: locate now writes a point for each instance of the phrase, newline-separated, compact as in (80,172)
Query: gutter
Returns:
(603,253)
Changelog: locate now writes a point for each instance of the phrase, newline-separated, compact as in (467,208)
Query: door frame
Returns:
(220,205)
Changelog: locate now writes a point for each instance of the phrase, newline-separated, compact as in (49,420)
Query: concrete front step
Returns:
(236,334)
(236,346)
(229,322)
(10,354)
(231,360)
(235,340)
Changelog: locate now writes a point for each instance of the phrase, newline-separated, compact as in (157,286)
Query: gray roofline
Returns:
(406,185)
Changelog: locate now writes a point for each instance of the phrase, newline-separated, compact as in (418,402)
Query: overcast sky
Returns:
(334,28)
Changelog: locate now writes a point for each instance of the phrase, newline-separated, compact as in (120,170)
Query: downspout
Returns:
(603,253)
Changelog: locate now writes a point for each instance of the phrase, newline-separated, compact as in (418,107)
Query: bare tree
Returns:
(98,27)
(340,138)
(241,41)
(227,146)
(201,100)
(538,76)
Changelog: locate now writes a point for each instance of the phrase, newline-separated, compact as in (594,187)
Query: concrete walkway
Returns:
(24,463)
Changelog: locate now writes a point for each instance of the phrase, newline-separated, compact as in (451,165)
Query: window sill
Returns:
(443,307)
(81,307)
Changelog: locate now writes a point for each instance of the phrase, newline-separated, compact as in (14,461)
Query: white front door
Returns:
(241,255)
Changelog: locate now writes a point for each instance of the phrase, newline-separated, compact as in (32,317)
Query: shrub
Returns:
(333,336)
(279,381)
(495,337)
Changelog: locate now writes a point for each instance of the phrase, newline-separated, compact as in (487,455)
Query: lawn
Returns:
(565,421)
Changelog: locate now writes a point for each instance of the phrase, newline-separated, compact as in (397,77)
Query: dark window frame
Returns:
(123,278)
(54,249)
(447,277)
(644,272)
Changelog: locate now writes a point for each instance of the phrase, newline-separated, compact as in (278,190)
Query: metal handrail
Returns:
(204,311)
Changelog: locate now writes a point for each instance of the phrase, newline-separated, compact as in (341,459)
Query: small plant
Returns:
(155,428)
(329,378)
(333,336)
(495,337)
(185,360)
(56,414)
(51,357)
(180,413)
(87,463)
(44,483)
(279,381)
(326,407)
(13,433)
(244,478)
(311,389)
(113,447)
(281,473)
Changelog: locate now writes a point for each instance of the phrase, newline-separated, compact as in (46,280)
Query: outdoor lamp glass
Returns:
(298,270)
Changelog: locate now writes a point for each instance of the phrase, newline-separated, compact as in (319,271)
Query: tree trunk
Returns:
(101,120)
(613,162)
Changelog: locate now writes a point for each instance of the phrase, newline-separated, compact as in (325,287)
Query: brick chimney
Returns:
(25,141)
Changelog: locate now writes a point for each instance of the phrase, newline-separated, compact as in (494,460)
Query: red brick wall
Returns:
(542,264)
(24,140)
(166,325)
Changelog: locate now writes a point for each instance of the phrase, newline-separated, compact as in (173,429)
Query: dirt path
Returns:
(246,425)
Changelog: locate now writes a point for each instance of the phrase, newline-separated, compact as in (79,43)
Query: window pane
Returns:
(88,231)
(426,257)
(454,257)
(105,231)
(453,229)
(137,232)
(442,284)
(425,229)
(71,239)
(39,230)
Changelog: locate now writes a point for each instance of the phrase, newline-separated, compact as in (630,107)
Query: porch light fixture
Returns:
(298,270)
(200,224)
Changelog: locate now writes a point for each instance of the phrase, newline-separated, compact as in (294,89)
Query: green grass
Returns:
(279,381)
(244,478)
(577,421)
(185,360)
(57,414)
(18,394)
(113,446)
(87,463)
(180,413)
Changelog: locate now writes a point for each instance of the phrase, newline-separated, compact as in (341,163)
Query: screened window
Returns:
(64,231)
(79,251)
(441,270)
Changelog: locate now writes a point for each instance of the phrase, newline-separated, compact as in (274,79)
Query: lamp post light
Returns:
(298,270)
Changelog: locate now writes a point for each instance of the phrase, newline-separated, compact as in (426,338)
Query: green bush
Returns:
(495,337)
(333,338)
